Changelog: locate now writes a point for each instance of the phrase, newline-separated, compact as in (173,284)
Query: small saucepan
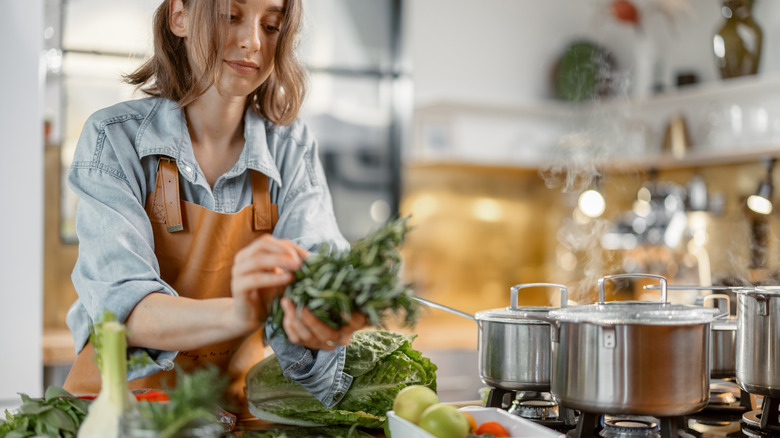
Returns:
(723,340)
(514,352)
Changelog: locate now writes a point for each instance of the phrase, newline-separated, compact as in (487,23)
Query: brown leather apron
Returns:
(195,248)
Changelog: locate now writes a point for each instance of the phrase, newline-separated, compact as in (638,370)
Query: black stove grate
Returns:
(765,420)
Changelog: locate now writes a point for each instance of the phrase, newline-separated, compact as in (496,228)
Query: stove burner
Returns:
(535,409)
(765,420)
(721,397)
(591,425)
(629,427)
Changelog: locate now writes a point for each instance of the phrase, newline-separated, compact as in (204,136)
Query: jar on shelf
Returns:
(737,44)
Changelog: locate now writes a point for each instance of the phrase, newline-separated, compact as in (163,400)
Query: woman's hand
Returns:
(260,271)
(307,330)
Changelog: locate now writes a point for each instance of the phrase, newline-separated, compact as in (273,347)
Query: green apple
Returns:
(444,421)
(411,401)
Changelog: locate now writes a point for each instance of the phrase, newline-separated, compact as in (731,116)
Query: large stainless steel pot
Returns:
(642,358)
(758,341)
(514,352)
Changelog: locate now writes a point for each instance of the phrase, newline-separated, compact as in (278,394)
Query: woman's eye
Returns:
(271,28)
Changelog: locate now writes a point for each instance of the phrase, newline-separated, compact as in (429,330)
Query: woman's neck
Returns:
(216,129)
(215,121)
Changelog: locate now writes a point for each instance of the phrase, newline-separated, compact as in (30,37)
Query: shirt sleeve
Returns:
(305,204)
(116,265)
(320,372)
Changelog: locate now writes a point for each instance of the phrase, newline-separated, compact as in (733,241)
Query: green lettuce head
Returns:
(381,363)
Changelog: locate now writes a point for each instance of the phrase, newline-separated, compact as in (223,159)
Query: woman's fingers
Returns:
(356,322)
(305,329)
(266,262)
(270,252)
(296,331)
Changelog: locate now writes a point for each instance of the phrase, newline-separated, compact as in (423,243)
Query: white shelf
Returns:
(618,133)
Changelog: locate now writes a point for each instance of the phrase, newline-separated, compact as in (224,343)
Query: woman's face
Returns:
(248,54)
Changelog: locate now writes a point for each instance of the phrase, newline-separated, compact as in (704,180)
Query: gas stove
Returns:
(730,413)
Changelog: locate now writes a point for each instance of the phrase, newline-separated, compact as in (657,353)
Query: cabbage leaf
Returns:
(381,362)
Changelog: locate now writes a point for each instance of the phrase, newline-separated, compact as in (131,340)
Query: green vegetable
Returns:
(193,402)
(381,363)
(364,279)
(110,341)
(57,414)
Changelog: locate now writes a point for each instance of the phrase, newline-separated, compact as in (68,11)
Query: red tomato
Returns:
(625,11)
(493,428)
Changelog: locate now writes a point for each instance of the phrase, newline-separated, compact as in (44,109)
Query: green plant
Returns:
(58,414)
(194,401)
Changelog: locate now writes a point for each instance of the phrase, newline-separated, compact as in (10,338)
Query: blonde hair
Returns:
(168,72)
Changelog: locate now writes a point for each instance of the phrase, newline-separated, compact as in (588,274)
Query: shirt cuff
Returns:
(162,361)
(320,372)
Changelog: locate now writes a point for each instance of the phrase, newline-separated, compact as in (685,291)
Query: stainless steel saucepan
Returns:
(758,341)
(631,357)
(723,340)
(514,351)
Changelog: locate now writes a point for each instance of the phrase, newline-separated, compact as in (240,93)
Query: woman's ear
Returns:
(178,22)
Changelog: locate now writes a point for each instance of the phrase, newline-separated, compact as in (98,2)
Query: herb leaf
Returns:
(58,414)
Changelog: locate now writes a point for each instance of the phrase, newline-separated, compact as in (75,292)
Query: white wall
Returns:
(504,50)
(21,220)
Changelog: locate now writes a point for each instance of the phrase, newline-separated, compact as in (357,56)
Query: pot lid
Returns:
(635,312)
(518,315)
(758,290)
(724,324)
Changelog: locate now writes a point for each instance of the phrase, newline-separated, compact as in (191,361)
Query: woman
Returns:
(197,204)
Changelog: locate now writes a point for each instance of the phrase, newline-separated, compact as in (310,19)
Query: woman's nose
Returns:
(250,36)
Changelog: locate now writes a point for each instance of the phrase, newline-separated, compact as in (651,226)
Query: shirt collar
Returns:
(164,132)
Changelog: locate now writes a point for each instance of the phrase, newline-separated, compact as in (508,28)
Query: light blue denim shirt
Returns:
(114,169)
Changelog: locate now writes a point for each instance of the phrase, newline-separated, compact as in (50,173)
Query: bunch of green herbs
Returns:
(365,279)
(58,414)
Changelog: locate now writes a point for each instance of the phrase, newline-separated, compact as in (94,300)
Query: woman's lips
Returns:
(243,67)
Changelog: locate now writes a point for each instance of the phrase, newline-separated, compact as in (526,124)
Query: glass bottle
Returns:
(737,44)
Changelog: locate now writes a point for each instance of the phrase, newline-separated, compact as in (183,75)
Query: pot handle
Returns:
(602,280)
(516,288)
(714,297)
(444,308)
(762,299)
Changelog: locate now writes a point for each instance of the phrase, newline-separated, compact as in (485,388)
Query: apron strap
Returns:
(166,193)
(261,200)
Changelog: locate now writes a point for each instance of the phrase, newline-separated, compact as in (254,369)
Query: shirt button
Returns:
(188,169)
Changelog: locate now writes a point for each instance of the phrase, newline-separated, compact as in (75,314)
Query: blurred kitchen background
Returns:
(530,141)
